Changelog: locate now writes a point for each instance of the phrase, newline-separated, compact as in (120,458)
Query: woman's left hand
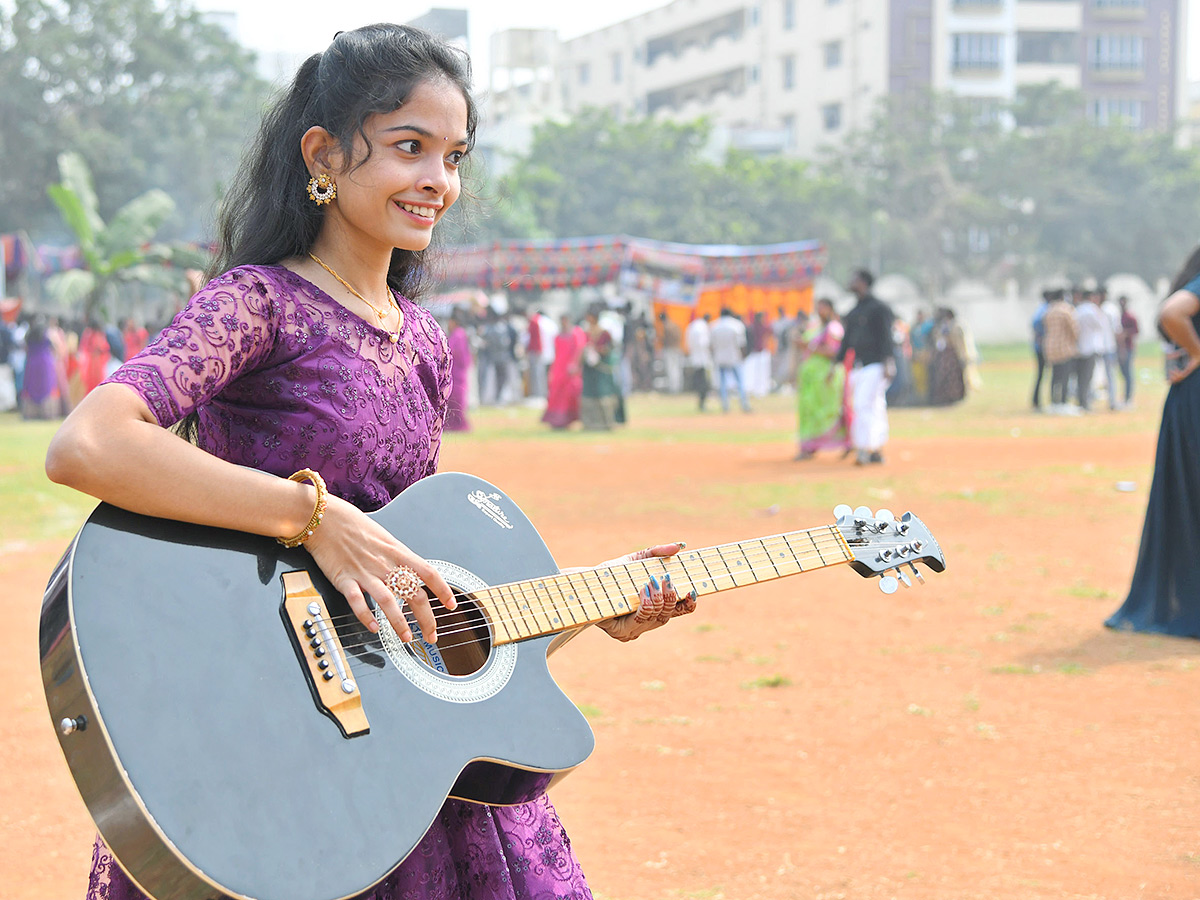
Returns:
(658,601)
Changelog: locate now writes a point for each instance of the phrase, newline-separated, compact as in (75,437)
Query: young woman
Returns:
(315,388)
(1165,594)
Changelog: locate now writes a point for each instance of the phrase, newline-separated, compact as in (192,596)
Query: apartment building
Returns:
(793,75)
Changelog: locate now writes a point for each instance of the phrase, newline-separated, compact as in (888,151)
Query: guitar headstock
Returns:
(888,547)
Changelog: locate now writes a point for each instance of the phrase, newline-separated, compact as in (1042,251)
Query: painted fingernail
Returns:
(667,578)
(695,596)
(654,581)
(681,544)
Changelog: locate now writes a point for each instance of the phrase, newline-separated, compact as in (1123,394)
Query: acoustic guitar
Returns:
(236,732)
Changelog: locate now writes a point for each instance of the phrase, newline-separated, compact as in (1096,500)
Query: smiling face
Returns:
(393,197)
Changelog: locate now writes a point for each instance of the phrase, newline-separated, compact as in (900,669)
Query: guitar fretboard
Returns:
(541,606)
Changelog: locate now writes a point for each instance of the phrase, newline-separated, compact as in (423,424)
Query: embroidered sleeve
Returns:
(226,329)
(440,401)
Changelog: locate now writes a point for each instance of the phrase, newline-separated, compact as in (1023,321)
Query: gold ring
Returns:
(404,583)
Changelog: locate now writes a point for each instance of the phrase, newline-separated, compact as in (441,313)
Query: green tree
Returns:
(116,253)
(597,175)
(147,91)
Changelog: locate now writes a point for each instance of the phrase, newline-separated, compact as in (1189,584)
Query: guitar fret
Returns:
(817,548)
(783,557)
(728,573)
(533,610)
(516,618)
(709,585)
(767,553)
(556,584)
(505,613)
(556,619)
(587,594)
(636,589)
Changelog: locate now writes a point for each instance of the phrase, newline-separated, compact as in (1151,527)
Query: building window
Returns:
(754,14)
(968,5)
(975,52)
(1119,4)
(833,54)
(789,72)
(616,68)
(984,110)
(1115,53)
(831,115)
(583,73)
(789,14)
(1116,111)
(753,74)
(1048,47)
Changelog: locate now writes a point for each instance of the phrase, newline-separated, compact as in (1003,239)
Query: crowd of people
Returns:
(1084,338)
(584,369)
(47,367)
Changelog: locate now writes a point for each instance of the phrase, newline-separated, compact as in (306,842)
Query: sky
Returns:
(308,25)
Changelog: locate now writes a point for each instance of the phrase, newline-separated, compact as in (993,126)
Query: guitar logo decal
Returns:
(486,504)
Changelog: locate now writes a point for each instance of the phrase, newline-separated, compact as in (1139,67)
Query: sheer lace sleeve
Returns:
(227,327)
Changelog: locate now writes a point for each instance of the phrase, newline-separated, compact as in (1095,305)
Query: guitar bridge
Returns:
(322,655)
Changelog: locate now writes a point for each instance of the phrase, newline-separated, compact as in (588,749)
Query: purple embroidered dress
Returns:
(283,377)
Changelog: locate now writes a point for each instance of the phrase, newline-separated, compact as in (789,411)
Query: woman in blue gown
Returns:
(1165,594)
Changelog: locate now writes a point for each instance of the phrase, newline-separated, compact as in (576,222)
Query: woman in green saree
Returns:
(822,404)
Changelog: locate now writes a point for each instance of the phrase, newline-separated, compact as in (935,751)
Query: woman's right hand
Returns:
(356,554)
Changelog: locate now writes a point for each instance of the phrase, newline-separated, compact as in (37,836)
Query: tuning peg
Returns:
(917,572)
(863,512)
(888,584)
(904,579)
(885,515)
(842,510)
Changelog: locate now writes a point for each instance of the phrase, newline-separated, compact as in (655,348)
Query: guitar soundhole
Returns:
(464,640)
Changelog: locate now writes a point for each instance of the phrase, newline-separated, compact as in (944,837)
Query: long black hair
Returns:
(1190,270)
(266,215)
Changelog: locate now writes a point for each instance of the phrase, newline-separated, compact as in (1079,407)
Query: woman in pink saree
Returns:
(460,372)
(566,375)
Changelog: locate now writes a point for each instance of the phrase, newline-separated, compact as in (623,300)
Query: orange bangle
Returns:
(318,510)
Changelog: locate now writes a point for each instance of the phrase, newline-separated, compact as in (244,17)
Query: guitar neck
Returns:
(542,606)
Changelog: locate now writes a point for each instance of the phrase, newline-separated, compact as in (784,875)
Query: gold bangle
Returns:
(318,510)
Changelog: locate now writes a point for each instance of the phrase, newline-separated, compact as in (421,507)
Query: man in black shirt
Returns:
(869,337)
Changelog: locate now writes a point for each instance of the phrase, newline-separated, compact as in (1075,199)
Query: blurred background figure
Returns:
(565,382)
(460,374)
(728,341)
(822,406)
(1127,346)
(601,405)
(672,353)
(699,356)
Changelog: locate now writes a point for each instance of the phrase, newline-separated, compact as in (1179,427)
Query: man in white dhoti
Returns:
(869,337)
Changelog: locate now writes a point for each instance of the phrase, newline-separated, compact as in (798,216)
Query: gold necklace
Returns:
(380,314)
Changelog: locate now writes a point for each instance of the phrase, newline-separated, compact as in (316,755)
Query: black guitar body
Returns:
(198,744)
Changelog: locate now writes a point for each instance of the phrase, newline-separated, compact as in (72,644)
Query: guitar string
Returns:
(479,626)
(520,591)
(523,591)
(368,638)
(537,588)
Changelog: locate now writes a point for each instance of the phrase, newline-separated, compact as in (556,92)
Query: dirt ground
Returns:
(982,736)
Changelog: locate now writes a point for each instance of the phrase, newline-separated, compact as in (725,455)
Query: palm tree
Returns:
(119,252)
